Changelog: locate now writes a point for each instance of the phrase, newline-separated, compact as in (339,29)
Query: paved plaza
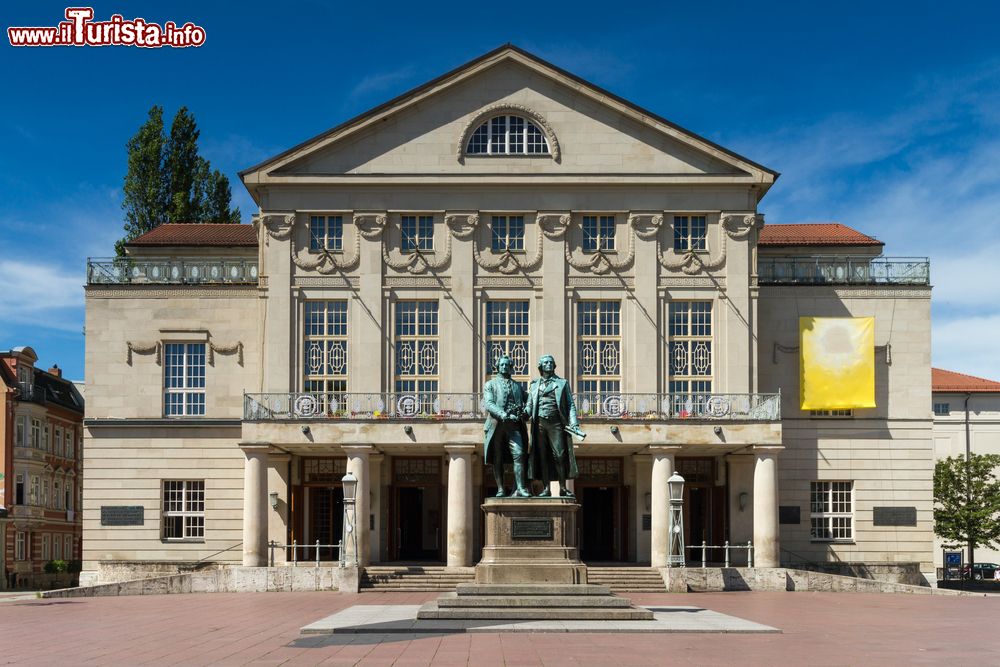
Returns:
(265,629)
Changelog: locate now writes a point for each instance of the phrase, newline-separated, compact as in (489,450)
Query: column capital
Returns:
(740,457)
(377,457)
(456,450)
(664,450)
(255,447)
(773,450)
(358,450)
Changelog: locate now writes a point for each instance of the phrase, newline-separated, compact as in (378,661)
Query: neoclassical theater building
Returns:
(235,373)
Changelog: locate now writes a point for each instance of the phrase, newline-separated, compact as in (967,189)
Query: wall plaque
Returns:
(895,516)
(789,514)
(121,515)
(530,529)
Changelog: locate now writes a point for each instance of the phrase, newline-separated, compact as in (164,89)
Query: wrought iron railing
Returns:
(469,406)
(819,269)
(29,391)
(170,270)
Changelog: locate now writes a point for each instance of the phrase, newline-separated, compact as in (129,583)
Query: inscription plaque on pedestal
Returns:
(530,529)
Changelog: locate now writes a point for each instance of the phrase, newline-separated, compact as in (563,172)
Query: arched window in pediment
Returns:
(508,134)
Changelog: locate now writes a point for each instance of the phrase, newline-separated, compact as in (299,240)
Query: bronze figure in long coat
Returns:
(505,438)
(551,410)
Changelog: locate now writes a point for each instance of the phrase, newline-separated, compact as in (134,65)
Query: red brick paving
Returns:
(263,629)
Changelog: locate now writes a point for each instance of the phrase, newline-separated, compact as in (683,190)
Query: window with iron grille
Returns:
(689,378)
(325,361)
(184,379)
(507,135)
(416,367)
(507,232)
(326,232)
(184,509)
(690,232)
(598,232)
(507,333)
(831,511)
(418,232)
(598,340)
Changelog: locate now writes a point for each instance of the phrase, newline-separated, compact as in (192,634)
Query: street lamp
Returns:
(675,544)
(350,536)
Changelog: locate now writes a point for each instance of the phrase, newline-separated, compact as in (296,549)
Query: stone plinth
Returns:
(531,541)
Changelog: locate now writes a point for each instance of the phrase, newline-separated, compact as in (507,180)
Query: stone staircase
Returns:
(415,577)
(627,579)
(532,602)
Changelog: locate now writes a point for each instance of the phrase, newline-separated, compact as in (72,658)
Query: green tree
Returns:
(967,502)
(168,181)
(145,190)
(181,163)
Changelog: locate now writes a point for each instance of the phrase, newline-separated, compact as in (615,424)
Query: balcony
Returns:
(829,270)
(469,407)
(171,271)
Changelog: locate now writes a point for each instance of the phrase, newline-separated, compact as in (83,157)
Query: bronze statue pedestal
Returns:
(531,541)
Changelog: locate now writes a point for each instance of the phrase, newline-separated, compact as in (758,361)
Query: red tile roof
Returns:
(815,234)
(198,234)
(950,381)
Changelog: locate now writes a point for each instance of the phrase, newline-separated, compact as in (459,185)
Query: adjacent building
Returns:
(966,420)
(236,372)
(42,427)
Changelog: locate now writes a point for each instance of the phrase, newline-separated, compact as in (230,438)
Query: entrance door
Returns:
(411,523)
(326,522)
(597,541)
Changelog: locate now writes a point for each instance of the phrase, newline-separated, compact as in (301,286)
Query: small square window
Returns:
(418,232)
(690,233)
(326,232)
(507,233)
(598,232)
(942,409)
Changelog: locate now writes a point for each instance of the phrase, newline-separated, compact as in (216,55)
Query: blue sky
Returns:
(883,116)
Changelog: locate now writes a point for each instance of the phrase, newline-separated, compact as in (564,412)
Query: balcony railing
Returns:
(31,392)
(469,407)
(828,270)
(171,270)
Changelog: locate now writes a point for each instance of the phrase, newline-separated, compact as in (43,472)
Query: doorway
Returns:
(597,535)
(416,510)
(326,522)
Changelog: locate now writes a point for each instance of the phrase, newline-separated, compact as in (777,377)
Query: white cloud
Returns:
(965,344)
(40,295)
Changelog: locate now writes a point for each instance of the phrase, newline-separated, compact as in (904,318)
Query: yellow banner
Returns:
(837,366)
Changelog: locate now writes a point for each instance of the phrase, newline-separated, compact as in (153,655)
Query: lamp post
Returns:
(675,541)
(350,535)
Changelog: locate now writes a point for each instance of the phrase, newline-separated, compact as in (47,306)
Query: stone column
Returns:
(357,463)
(375,484)
(459,505)
(765,507)
(255,505)
(663,466)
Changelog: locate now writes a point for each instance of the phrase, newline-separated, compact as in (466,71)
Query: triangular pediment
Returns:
(425,132)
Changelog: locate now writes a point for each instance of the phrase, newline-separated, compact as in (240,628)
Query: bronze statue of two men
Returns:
(549,410)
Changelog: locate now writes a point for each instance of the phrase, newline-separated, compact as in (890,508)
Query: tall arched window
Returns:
(508,135)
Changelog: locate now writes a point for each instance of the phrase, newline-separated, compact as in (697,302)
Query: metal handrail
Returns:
(726,548)
(843,270)
(295,546)
(171,270)
(434,406)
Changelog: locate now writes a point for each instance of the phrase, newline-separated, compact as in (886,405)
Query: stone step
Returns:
(455,601)
(531,589)
(431,610)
